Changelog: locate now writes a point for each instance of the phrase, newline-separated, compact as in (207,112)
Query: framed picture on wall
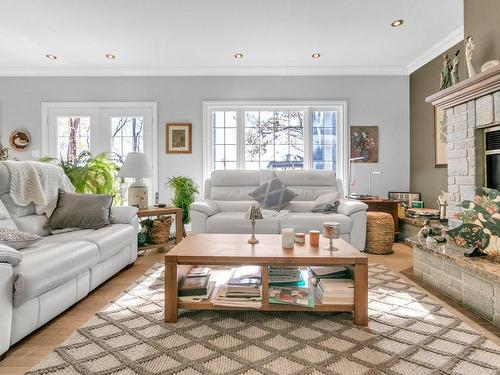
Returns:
(364,143)
(179,138)
(440,145)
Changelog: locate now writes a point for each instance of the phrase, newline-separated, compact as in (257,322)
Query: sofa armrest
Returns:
(349,207)
(123,214)
(10,255)
(206,206)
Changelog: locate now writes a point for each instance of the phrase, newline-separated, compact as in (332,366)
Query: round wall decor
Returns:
(20,140)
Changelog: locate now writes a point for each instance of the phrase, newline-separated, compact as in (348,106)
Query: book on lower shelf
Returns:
(243,289)
(335,291)
(291,296)
(285,276)
(195,283)
(201,297)
(223,298)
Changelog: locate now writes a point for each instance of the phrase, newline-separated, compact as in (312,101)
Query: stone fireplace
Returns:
(470,107)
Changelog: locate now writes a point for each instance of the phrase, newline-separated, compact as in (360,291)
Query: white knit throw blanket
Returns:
(38,183)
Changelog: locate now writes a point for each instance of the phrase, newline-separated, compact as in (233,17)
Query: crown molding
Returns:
(438,48)
(203,71)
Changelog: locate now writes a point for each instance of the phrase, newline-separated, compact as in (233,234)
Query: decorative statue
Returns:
(469,48)
(454,69)
(445,81)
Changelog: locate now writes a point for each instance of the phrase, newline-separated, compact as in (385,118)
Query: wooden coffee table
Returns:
(233,249)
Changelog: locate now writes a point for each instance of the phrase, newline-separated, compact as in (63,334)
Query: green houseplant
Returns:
(184,190)
(90,174)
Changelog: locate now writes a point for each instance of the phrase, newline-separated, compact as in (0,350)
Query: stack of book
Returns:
(285,276)
(291,296)
(335,291)
(333,272)
(243,288)
(196,286)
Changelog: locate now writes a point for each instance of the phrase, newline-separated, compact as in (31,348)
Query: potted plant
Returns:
(480,228)
(184,190)
(90,174)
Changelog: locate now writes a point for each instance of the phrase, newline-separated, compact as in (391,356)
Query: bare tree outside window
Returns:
(127,135)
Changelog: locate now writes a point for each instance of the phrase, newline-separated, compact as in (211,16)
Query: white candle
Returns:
(287,238)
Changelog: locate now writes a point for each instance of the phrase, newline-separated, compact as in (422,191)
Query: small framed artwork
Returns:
(179,138)
(364,144)
(440,144)
(405,197)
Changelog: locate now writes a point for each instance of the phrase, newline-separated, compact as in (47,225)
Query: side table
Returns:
(385,205)
(163,211)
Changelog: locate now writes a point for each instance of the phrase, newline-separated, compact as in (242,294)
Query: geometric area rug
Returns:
(408,333)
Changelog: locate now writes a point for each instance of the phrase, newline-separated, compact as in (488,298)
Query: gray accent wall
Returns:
(373,101)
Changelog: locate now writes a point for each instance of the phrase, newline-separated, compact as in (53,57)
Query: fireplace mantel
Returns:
(472,88)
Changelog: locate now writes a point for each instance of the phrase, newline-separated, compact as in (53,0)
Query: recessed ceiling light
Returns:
(110,56)
(238,55)
(397,23)
(51,57)
(316,55)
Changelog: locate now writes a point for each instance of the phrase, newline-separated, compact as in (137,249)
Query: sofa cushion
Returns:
(238,177)
(32,224)
(5,219)
(304,222)
(4,179)
(235,222)
(46,266)
(235,206)
(109,240)
(14,209)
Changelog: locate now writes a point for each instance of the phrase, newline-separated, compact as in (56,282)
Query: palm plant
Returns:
(185,191)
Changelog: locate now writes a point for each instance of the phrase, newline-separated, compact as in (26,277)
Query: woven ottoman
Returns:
(379,232)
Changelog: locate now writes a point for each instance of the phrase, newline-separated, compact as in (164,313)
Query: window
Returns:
(275,135)
(115,128)
(73,136)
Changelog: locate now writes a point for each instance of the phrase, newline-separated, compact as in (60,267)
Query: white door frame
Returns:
(100,110)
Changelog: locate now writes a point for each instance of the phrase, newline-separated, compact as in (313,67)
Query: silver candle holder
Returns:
(331,231)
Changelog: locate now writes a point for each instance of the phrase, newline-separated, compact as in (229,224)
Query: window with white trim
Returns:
(272,135)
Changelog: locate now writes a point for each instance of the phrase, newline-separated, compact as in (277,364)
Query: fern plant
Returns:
(184,190)
(90,174)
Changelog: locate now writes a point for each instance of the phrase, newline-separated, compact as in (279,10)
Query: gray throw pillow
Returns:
(17,239)
(326,208)
(326,203)
(273,195)
(84,211)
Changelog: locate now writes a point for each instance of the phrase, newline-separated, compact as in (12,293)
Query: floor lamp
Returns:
(350,171)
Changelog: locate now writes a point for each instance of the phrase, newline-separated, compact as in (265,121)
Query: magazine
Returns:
(291,296)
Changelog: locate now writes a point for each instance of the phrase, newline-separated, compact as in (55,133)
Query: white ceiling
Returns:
(200,37)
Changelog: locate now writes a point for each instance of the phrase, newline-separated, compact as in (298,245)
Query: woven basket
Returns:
(160,230)
(379,232)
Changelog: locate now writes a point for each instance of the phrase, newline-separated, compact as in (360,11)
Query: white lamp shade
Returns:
(136,165)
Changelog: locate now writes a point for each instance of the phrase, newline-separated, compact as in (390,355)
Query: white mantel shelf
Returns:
(472,88)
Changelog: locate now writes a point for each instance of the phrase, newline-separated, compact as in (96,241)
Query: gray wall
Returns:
(373,100)
(425,177)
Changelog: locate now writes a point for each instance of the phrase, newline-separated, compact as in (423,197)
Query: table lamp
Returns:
(137,166)
(370,181)
(253,214)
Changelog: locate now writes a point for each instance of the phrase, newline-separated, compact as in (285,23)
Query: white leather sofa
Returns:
(226,199)
(58,270)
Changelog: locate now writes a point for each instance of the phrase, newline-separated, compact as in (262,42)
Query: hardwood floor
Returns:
(25,354)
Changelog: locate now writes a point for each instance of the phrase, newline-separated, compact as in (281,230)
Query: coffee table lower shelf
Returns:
(207,305)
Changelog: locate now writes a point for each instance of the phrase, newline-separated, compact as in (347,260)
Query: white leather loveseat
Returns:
(226,199)
(58,270)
